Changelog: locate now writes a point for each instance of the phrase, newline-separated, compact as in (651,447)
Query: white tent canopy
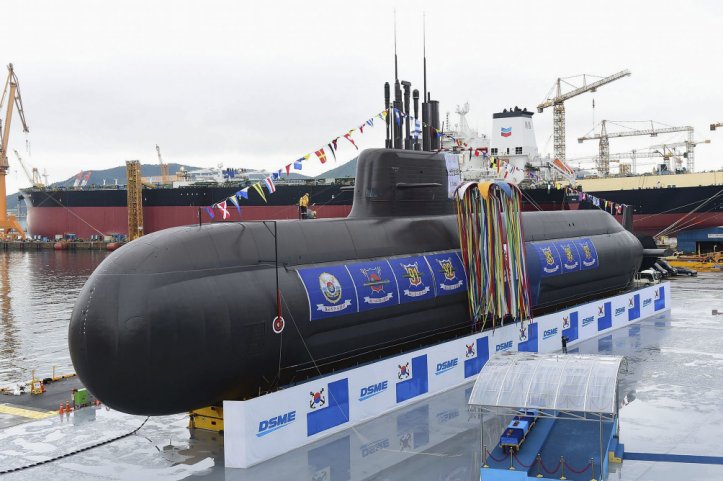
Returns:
(570,383)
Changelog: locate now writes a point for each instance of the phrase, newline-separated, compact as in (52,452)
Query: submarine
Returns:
(187,317)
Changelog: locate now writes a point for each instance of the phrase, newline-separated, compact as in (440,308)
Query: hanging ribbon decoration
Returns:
(493,251)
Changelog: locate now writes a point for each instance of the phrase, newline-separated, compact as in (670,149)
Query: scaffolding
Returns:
(135,199)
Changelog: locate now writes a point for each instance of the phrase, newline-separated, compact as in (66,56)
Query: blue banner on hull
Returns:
(330,291)
(449,276)
(375,284)
(565,256)
(569,256)
(588,254)
(414,278)
(549,258)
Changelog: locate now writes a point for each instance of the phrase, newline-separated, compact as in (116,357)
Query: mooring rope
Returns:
(493,251)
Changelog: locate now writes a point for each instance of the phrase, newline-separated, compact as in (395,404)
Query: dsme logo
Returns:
(588,320)
(505,346)
(372,390)
(272,424)
(619,311)
(646,302)
(549,333)
(374,446)
(445,366)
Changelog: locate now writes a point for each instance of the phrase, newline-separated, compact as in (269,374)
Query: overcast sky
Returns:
(258,83)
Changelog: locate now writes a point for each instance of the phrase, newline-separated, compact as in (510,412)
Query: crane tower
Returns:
(557,102)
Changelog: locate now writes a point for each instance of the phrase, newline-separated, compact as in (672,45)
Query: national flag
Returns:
(347,136)
(322,155)
(297,165)
(269,184)
(234,201)
(257,188)
(332,150)
(224,210)
(210,212)
(243,193)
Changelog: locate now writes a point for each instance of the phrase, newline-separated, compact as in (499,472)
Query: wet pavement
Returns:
(672,393)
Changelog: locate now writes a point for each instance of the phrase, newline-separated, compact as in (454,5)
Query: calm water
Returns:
(37,293)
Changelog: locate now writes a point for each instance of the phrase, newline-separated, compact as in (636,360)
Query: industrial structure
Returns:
(603,159)
(34,176)
(11,93)
(557,102)
(165,178)
(135,199)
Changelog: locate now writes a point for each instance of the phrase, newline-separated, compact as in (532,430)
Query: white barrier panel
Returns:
(273,424)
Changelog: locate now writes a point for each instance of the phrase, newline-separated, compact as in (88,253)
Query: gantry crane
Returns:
(134,199)
(557,102)
(603,159)
(33,177)
(164,167)
(12,93)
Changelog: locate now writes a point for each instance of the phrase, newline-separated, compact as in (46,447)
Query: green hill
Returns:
(347,170)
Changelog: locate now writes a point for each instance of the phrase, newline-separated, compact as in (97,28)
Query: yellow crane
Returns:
(557,99)
(11,92)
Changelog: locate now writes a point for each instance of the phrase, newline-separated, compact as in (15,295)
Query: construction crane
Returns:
(164,167)
(557,102)
(34,178)
(11,92)
(603,164)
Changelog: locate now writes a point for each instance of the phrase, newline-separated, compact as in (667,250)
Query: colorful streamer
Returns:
(493,251)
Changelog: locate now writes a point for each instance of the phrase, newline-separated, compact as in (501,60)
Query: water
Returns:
(672,389)
(37,293)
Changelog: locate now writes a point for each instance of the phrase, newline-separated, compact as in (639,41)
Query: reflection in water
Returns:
(37,293)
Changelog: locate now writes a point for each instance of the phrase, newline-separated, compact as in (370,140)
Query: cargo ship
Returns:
(661,204)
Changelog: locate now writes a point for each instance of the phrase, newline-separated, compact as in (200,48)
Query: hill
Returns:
(347,170)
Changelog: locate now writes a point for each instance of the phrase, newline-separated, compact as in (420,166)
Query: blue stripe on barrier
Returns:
(674,458)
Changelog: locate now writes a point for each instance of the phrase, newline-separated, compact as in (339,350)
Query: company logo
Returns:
(646,302)
(630,302)
(446,416)
(505,346)
(470,350)
(505,131)
(548,256)
(330,287)
(587,253)
(445,366)
(317,399)
(657,294)
(565,322)
(374,446)
(600,310)
(588,320)
(549,333)
(322,475)
(523,333)
(372,390)
(619,311)
(449,272)
(411,272)
(405,441)
(277,422)
(404,371)
(376,284)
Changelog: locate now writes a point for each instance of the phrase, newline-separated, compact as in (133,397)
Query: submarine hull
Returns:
(182,318)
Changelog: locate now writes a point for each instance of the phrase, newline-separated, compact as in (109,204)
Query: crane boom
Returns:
(164,167)
(558,104)
(591,87)
(33,177)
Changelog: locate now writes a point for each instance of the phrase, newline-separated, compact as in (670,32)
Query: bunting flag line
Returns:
(257,188)
(269,184)
(607,205)
(234,201)
(322,156)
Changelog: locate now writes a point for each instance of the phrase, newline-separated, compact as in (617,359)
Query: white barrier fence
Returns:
(273,424)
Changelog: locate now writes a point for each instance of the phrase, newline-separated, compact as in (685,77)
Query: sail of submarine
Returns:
(182,318)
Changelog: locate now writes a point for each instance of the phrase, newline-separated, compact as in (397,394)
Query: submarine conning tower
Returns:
(400,183)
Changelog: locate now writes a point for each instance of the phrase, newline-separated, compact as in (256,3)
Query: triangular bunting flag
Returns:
(297,165)
(224,209)
(257,188)
(243,193)
(370,122)
(210,212)
(348,137)
(275,175)
(361,128)
(269,184)
(288,169)
(234,201)
(332,151)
